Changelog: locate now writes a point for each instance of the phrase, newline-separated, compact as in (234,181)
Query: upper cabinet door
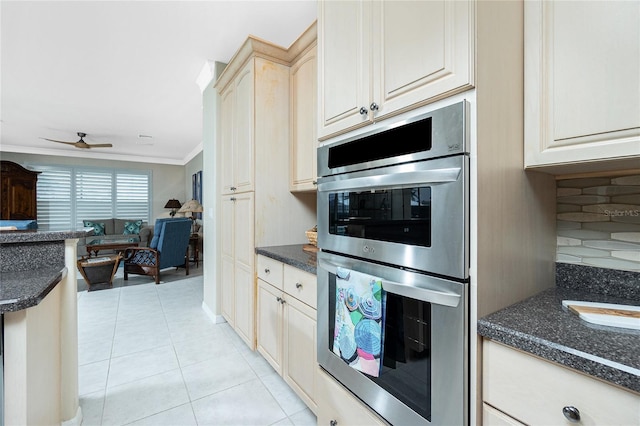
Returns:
(243,128)
(344,65)
(226,140)
(304,141)
(380,58)
(422,51)
(582,82)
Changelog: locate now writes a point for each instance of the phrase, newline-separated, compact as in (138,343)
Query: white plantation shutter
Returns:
(132,196)
(69,195)
(94,196)
(54,200)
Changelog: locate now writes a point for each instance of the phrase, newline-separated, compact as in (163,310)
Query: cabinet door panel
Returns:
(422,51)
(582,91)
(300,346)
(335,403)
(227,289)
(344,65)
(227,259)
(584,57)
(244,303)
(243,127)
(534,391)
(303,122)
(269,324)
(244,255)
(226,140)
(244,249)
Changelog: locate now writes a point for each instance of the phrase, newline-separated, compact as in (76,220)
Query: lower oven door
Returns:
(423,361)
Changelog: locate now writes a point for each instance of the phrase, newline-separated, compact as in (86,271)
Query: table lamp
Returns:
(173,204)
(192,206)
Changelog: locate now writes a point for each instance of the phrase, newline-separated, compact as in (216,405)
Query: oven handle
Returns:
(436,176)
(438,297)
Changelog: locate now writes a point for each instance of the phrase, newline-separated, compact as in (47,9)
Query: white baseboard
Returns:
(216,319)
(75,421)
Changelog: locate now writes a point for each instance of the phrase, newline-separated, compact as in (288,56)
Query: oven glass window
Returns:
(406,357)
(393,215)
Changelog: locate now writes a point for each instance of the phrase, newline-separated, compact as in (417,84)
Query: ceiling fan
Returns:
(81,143)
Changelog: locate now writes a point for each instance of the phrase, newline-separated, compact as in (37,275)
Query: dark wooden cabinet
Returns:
(18,190)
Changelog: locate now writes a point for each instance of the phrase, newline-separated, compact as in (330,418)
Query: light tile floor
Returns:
(149,355)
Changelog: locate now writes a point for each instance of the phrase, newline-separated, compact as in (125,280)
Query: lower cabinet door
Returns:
(300,369)
(338,406)
(493,417)
(269,324)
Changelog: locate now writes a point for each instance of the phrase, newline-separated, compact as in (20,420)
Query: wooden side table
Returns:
(99,270)
(194,239)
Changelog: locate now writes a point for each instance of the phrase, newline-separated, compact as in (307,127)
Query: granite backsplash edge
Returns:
(609,282)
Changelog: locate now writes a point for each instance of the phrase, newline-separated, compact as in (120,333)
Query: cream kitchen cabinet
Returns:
(380,58)
(534,391)
(237,264)
(304,143)
(338,406)
(255,205)
(582,85)
(237,144)
(287,325)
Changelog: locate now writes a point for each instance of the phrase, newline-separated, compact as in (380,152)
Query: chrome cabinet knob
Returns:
(571,413)
(279,299)
(363,111)
(232,188)
(314,183)
(373,106)
(267,270)
(298,285)
(333,423)
(232,198)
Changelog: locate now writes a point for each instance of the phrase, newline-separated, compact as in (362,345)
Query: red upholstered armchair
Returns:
(169,248)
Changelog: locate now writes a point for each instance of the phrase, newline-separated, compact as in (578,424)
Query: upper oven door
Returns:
(413,215)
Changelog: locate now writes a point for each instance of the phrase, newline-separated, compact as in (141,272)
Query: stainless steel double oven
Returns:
(393,204)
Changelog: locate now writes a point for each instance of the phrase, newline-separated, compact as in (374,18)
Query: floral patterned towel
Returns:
(359,323)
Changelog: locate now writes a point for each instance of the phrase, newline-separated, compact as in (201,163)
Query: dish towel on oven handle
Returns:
(359,322)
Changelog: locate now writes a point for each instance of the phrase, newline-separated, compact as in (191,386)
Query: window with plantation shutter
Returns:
(54,200)
(69,195)
(132,196)
(94,196)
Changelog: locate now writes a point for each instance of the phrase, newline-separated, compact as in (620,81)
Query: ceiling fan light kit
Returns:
(81,143)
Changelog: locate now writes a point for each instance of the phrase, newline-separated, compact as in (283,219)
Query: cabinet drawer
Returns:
(301,285)
(535,391)
(270,270)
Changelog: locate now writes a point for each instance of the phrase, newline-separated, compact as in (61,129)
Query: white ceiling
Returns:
(119,69)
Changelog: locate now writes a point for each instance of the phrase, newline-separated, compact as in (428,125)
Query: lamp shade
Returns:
(192,206)
(172,204)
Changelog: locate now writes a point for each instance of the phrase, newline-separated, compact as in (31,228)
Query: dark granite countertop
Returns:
(541,326)
(40,236)
(292,255)
(32,263)
(19,290)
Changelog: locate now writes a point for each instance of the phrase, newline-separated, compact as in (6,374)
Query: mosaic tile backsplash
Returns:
(599,222)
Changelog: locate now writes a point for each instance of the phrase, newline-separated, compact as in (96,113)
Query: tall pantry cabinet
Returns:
(256,207)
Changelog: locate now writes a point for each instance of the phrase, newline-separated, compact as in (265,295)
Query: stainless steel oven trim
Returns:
(449,252)
(449,135)
(449,334)
(429,289)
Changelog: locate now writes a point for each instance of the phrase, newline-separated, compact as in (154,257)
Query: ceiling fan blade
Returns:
(53,140)
(100,145)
